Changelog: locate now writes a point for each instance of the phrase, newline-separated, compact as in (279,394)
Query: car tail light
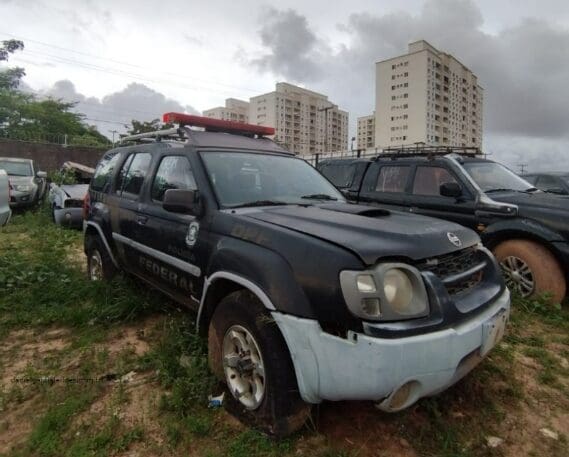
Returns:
(217,125)
(86,206)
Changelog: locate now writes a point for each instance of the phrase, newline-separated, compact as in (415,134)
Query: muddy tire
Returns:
(100,267)
(531,270)
(248,354)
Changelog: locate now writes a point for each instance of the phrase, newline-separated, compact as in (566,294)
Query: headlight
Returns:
(389,292)
(22,187)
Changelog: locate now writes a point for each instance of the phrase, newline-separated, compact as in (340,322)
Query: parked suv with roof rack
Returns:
(528,230)
(303,297)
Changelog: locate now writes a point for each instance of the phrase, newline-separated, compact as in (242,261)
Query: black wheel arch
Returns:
(523,229)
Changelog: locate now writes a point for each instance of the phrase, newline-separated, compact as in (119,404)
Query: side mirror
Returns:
(182,201)
(41,174)
(450,189)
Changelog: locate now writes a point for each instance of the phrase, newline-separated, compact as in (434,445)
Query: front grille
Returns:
(73,203)
(450,265)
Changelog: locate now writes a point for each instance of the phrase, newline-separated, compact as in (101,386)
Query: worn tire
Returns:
(94,247)
(281,411)
(547,272)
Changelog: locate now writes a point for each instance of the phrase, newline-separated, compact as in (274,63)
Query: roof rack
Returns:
(184,133)
(428,151)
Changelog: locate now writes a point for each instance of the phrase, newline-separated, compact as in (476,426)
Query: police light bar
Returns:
(217,125)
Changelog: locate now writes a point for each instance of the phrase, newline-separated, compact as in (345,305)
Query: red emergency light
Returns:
(217,125)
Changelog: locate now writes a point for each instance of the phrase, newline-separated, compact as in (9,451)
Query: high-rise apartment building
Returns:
(305,122)
(427,96)
(234,110)
(366,132)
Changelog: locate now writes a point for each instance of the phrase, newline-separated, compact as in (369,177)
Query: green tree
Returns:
(10,78)
(24,117)
(147,126)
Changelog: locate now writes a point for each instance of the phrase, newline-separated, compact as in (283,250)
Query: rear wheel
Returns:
(99,264)
(248,353)
(530,269)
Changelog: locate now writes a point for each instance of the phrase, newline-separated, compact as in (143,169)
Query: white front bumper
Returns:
(361,367)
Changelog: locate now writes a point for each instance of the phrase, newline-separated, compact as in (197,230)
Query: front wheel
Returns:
(530,269)
(248,353)
(99,263)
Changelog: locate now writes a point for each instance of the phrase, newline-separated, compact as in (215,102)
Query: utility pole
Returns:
(326,109)
(522,167)
(113,132)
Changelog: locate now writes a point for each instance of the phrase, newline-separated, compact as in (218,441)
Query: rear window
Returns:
(341,175)
(392,179)
(102,178)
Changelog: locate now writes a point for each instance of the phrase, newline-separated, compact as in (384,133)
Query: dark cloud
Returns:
(524,69)
(294,48)
(116,110)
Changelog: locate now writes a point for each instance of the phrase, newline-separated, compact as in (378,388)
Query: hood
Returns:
(29,180)
(534,201)
(368,232)
(75,191)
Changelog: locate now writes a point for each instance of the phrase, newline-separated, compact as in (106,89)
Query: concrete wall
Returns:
(50,157)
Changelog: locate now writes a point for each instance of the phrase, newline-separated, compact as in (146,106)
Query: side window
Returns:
(428,180)
(341,175)
(122,174)
(547,182)
(392,179)
(530,179)
(102,178)
(136,173)
(174,172)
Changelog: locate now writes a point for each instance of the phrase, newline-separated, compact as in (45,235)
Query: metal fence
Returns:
(47,138)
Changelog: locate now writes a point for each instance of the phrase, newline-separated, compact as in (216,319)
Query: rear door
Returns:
(131,212)
(425,197)
(386,184)
(174,254)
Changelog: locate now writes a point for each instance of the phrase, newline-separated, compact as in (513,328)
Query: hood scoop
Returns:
(359,210)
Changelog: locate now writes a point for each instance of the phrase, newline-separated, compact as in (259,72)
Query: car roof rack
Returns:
(428,151)
(184,133)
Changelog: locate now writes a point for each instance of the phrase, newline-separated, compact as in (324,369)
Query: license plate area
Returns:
(493,331)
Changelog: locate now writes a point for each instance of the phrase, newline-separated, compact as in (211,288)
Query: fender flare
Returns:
(527,227)
(246,283)
(102,236)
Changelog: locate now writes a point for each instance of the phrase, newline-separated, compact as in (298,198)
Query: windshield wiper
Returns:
(319,197)
(259,203)
(528,191)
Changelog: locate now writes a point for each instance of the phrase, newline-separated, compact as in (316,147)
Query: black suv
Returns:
(527,229)
(303,296)
(552,182)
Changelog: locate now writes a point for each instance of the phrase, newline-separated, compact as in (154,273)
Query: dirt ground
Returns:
(352,428)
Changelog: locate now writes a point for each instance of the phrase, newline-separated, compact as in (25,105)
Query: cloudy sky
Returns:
(136,59)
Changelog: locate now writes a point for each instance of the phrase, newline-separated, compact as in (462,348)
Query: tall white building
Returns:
(305,122)
(427,96)
(234,110)
(366,132)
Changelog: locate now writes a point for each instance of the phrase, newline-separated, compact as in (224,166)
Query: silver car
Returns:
(5,211)
(66,200)
(28,184)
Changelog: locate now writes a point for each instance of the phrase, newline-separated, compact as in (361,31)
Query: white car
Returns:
(5,211)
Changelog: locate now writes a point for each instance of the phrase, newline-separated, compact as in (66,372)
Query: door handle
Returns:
(141,220)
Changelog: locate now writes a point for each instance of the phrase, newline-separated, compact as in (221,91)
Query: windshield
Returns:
(241,178)
(16,168)
(494,176)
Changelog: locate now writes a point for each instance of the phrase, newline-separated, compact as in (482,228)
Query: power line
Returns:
(119,62)
(116,72)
